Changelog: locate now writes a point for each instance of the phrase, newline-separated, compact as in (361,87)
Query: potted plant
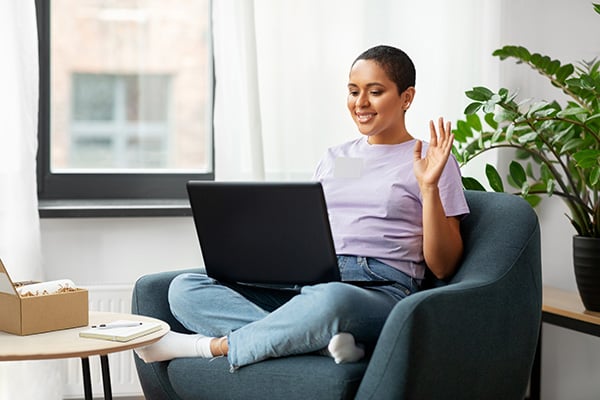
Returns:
(557,149)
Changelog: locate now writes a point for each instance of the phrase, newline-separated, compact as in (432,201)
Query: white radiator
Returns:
(122,368)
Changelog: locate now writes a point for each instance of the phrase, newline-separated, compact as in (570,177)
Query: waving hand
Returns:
(428,169)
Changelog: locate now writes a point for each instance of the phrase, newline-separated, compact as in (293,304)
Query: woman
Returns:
(394,212)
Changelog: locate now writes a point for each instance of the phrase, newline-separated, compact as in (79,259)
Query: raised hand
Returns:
(428,169)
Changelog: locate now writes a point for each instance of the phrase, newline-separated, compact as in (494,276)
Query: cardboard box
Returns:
(43,313)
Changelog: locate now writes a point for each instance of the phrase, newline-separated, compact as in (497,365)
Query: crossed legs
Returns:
(249,324)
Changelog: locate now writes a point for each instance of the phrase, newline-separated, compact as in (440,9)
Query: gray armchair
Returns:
(473,337)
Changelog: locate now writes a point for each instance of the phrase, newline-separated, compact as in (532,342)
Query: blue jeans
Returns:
(262,323)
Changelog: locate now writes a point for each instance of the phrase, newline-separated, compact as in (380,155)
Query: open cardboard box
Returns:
(43,313)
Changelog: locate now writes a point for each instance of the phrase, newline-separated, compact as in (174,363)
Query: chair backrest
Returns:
(494,234)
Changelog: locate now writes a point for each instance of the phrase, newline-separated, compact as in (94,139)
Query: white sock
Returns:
(175,345)
(343,349)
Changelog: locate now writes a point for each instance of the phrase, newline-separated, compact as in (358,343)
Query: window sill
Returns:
(114,208)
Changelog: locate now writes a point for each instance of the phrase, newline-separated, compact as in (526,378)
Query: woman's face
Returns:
(375,105)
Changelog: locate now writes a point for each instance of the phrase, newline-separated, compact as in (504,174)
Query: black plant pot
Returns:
(586,260)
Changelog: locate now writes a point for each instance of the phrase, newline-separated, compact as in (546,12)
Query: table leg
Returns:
(87,380)
(106,377)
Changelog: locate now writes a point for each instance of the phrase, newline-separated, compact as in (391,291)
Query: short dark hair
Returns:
(396,64)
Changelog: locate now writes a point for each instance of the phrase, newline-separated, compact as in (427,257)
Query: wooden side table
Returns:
(67,344)
(564,309)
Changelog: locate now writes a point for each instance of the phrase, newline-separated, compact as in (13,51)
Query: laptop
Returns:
(265,233)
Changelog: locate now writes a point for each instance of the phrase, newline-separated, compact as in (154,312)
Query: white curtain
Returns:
(237,112)
(19,223)
(282,69)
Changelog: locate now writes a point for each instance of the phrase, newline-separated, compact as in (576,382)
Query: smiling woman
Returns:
(290,61)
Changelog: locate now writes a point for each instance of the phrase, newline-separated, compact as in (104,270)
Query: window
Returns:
(126,98)
(119,122)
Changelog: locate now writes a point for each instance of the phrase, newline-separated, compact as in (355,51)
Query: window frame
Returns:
(95,187)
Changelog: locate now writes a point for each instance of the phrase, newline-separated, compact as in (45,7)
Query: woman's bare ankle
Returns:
(219,346)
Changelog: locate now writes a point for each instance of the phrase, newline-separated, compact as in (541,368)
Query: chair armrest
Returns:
(150,297)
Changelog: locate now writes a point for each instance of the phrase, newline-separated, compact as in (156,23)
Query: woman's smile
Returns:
(364,118)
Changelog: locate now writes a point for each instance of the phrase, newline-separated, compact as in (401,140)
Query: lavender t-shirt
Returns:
(374,202)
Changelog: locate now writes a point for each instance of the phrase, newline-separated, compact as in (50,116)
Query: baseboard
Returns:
(116,398)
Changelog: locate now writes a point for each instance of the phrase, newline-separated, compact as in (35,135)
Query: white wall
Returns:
(117,251)
(108,251)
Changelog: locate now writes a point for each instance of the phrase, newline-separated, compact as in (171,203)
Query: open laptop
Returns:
(265,233)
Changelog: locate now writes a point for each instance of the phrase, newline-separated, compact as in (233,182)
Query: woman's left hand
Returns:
(428,169)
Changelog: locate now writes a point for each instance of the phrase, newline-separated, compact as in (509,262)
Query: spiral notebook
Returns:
(121,331)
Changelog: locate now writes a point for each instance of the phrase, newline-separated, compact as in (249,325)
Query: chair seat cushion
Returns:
(289,378)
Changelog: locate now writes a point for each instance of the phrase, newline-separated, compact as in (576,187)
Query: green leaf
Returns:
(472,184)
(544,62)
(517,173)
(587,158)
(489,119)
(533,200)
(462,131)
(593,117)
(536,107)
(523,53)
(494,178)
(496,98)
(512,182)
(552,67)
(525,189)
(587,82)
(550,185)
(545,113)
(597,7)
(472,108)
(510,129)
(475,122)
(536,59)
(564,72)
(568,111)
(509,132)
(501,53)
(572,144)
(537,187)
(576,82)
(479,93)
(518,52)
(595,175)
(460,158)
(496,135)
(561,137)
(529,170)
(546,173)
(504,115)
(489,107)
(528,137)
(522,154)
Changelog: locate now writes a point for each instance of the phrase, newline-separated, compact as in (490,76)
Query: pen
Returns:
(117,325)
